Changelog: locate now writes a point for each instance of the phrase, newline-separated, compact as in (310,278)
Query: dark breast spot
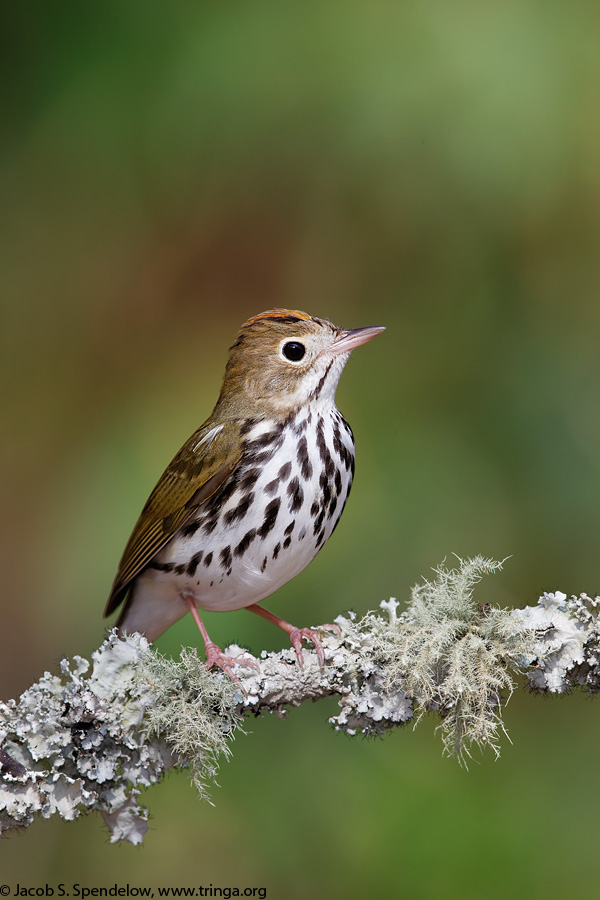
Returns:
(263,448)
(324,450)
(272,486)
(300,427)
(161,567)
(225,557)
(271,513)
(346,427)
(339,515)
(346,457)
(239,512)
(208,559)
(194,562)
(245,542)
(266,439)
(285,471)
(319,521)
(303,459)
(219,498)
(296,495)
(336,433)
(324,483)
(247,425)
(338,482)
(210,524)
(248,480)
(262,457)
(190,529)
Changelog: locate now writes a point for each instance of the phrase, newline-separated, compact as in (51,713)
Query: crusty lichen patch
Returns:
(86,740)
(566,652)
(80,738)
(370,704)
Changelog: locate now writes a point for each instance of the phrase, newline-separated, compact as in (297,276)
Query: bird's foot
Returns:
(214,654)
(297,635)
(216,657)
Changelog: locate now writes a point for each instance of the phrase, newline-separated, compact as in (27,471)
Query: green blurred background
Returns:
(168,170)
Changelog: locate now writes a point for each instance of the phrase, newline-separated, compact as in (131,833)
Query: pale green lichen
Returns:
(193,711)
(452,654)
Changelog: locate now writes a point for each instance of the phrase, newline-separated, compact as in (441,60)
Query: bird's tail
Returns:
(151,607)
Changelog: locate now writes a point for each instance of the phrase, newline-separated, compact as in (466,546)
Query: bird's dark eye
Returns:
(294,351)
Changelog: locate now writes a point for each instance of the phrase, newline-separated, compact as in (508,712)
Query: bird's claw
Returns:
(297,635)
(216,657)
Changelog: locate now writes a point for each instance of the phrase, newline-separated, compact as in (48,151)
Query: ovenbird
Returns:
(255,492)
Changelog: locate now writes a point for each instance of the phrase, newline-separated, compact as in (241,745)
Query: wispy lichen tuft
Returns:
(452,654)
(193,711)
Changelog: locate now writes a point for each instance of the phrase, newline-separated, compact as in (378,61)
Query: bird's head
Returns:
(283,359)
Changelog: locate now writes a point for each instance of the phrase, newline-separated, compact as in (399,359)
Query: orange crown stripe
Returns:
(277,314)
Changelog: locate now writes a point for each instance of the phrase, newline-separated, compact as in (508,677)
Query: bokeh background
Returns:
(168,170)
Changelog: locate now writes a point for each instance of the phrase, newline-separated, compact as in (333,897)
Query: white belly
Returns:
(280,513)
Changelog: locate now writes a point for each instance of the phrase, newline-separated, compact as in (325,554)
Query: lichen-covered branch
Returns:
(94,736)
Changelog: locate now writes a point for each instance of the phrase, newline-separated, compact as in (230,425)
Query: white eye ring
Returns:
(293,351)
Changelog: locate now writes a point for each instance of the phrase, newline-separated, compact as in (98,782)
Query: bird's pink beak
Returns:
(348,340)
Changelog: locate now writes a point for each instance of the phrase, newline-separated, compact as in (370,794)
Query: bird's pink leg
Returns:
(297,635)
(214,654)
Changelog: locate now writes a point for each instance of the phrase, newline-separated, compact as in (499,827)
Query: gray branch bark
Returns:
(95,735)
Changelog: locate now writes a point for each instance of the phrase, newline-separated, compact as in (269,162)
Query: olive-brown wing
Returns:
(206,460)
